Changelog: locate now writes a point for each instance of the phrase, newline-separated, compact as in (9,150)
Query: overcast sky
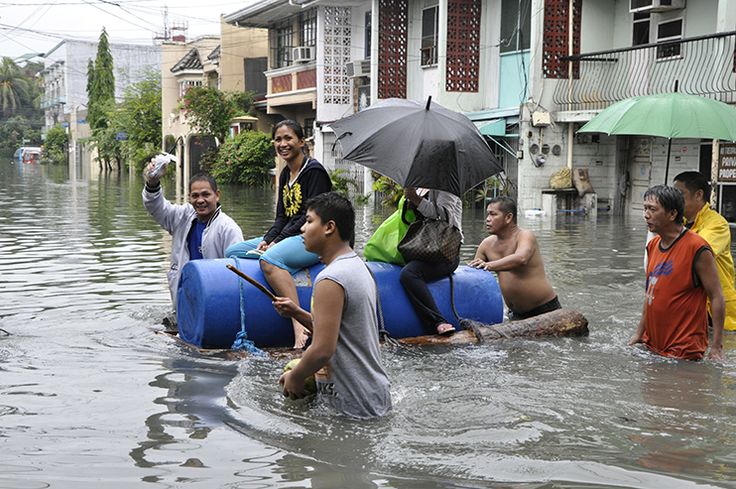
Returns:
(36,26)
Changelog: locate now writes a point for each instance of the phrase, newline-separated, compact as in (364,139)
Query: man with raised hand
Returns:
(199,229)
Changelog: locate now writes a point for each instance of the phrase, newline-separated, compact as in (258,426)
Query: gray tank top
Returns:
(356,384)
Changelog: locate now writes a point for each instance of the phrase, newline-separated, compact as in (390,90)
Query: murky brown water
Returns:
(91,397)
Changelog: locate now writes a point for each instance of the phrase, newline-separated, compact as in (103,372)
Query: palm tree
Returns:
(14,90)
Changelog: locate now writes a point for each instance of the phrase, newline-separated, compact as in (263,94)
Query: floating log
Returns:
(562,322)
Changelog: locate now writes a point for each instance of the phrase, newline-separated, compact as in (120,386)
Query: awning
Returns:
(496,127)
(493,122)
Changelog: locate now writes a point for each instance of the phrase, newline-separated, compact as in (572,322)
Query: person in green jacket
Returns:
(712,227)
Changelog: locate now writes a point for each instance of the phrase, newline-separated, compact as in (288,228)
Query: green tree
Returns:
(139,117)
(101,105)
(210,110)
(246,158)
(55,145)
(101,86)
(14,88)
(18,130)
(90,84)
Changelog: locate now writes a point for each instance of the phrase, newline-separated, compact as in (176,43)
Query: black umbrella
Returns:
(417,145)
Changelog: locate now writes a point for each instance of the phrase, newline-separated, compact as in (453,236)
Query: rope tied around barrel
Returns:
(241,339)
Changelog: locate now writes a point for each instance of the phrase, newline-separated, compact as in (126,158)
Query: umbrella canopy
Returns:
(417,145)
(667,115)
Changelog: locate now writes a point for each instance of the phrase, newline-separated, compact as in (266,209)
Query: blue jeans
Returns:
(288,254)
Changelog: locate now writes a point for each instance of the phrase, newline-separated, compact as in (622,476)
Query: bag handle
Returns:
(403,213)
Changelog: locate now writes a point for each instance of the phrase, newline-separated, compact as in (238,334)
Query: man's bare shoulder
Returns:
(527,234)
(488,242)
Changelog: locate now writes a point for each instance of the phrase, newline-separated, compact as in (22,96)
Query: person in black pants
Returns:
(416,274)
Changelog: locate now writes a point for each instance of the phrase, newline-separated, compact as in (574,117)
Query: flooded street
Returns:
(91,396)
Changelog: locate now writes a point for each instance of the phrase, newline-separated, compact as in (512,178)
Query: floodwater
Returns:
(91,396)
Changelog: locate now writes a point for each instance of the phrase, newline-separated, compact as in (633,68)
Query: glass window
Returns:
(281,44)
(308,127)
(666,32)
(516,18)
(429,36)
(367,37)
(308,28)
(640,34)
(185,85)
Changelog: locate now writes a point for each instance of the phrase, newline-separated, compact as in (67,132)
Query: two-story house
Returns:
(330,58)
(233,61)
(589,54)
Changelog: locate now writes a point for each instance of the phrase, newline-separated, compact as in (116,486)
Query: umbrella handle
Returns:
(339,138)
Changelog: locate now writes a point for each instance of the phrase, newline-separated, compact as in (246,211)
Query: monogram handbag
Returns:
(431,240)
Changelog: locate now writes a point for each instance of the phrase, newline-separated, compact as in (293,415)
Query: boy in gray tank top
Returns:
(345,354)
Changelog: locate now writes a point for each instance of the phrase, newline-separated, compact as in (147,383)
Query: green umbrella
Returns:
(667,115)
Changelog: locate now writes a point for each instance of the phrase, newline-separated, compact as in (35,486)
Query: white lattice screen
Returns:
(337,55)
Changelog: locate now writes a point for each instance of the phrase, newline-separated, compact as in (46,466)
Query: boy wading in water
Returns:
(513,253)
(345,354)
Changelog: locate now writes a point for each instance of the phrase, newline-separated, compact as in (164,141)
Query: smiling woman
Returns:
(282,247)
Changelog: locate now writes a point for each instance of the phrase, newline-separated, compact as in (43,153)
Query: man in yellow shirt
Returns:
(712,227)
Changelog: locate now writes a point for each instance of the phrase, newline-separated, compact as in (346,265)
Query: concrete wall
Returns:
(238,43)
(131,63)
(487,94)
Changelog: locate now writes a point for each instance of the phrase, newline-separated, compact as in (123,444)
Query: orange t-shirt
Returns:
(676,314)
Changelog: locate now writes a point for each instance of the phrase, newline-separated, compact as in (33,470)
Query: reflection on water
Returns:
(86,384)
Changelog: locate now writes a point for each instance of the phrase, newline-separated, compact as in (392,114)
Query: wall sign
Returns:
(727,163)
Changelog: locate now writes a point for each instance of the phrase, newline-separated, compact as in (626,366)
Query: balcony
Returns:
(704,65)
(293,84)
(52,101)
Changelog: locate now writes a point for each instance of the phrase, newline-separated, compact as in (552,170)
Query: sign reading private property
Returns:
(727,163)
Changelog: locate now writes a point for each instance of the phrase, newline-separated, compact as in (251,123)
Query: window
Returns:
(255,78)
(281,44)
(308,127)
(429,36)
(367,36)
(515,25)
(640,31)
(308,28)
(667,32)
(185,85)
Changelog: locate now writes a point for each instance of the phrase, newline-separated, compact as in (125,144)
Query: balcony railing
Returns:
(704,65)
(50,102)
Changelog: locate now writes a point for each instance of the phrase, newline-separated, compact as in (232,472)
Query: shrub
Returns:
(246,158)
(54,147)
(389,191)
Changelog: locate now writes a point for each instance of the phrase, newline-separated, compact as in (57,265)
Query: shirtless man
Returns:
(513,253)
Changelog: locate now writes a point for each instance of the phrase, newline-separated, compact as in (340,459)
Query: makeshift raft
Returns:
(212,301)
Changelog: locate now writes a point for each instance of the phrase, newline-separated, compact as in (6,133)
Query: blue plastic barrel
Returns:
(209,300)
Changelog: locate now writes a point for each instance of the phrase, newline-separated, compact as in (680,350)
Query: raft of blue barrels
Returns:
(214,304)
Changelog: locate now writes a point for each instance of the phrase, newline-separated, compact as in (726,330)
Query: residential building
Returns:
(65,84)
(589,54)
(234,61)
(331,58)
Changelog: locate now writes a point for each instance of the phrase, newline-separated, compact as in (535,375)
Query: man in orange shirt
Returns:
(681,275)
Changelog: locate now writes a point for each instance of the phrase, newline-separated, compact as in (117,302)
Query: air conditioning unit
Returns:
(302,54)
(359,68)
(655,5)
